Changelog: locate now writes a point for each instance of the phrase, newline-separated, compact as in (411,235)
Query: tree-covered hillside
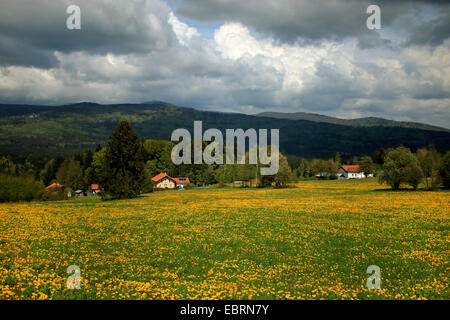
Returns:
(43,132)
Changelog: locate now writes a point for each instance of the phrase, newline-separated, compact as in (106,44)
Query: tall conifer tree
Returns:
(124,164)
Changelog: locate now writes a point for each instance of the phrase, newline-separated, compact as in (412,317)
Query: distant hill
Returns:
(359,122)
(42,132)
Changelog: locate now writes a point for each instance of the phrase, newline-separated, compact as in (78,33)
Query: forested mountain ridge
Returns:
(359,122)
(43,132)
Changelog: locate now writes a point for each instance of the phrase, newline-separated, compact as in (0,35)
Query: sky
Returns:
(233,56)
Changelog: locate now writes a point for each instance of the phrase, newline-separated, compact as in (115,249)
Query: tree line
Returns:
(125,166)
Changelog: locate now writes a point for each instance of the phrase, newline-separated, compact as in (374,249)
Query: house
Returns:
(95,189)
(238,183)
(80,193)
(350,172)
(55,185)
(322,175)
(181,182)
(164,181)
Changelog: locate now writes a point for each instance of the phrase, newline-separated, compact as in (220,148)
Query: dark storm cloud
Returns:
(303,20)
(13,52)
(435,32)
(30,31)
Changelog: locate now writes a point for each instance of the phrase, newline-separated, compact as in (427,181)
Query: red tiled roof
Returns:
(94,187)
(54,185)
(164,175)
(181,180)
(159,177)
(352,168)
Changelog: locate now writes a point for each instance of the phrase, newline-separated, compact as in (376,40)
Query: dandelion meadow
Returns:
(312,241)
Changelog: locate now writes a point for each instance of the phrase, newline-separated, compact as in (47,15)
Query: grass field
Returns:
(314,241)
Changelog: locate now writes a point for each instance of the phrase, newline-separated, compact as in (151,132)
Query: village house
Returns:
(55,186)
(164,181)
(350,172)
(95,188)
(181,182)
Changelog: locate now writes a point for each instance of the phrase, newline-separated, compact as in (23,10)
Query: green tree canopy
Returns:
(70,174)
(325,168)
(366,165)
(284,174)
(401,166)
(429,163)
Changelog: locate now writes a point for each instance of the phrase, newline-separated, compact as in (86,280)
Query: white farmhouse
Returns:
(350,172)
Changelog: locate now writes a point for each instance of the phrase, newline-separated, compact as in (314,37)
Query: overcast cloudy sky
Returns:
(232,55)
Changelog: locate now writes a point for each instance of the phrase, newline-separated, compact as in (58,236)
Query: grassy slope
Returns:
(313,241)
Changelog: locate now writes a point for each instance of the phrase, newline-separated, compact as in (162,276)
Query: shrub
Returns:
(189,186)
(55,194)
(19,188)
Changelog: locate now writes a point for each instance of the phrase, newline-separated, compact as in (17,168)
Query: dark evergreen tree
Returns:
(124,164)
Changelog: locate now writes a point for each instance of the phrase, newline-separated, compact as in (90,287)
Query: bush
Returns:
(189,186)
(444,170)
(54,194)
(19,188)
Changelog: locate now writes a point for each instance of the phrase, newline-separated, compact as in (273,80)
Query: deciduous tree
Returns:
(444,170)
(400,166)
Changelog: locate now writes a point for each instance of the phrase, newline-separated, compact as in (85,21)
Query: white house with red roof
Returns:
(164,181)
(181,182)
(350,172)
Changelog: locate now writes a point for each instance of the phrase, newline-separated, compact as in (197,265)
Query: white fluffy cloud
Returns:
(144,52)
